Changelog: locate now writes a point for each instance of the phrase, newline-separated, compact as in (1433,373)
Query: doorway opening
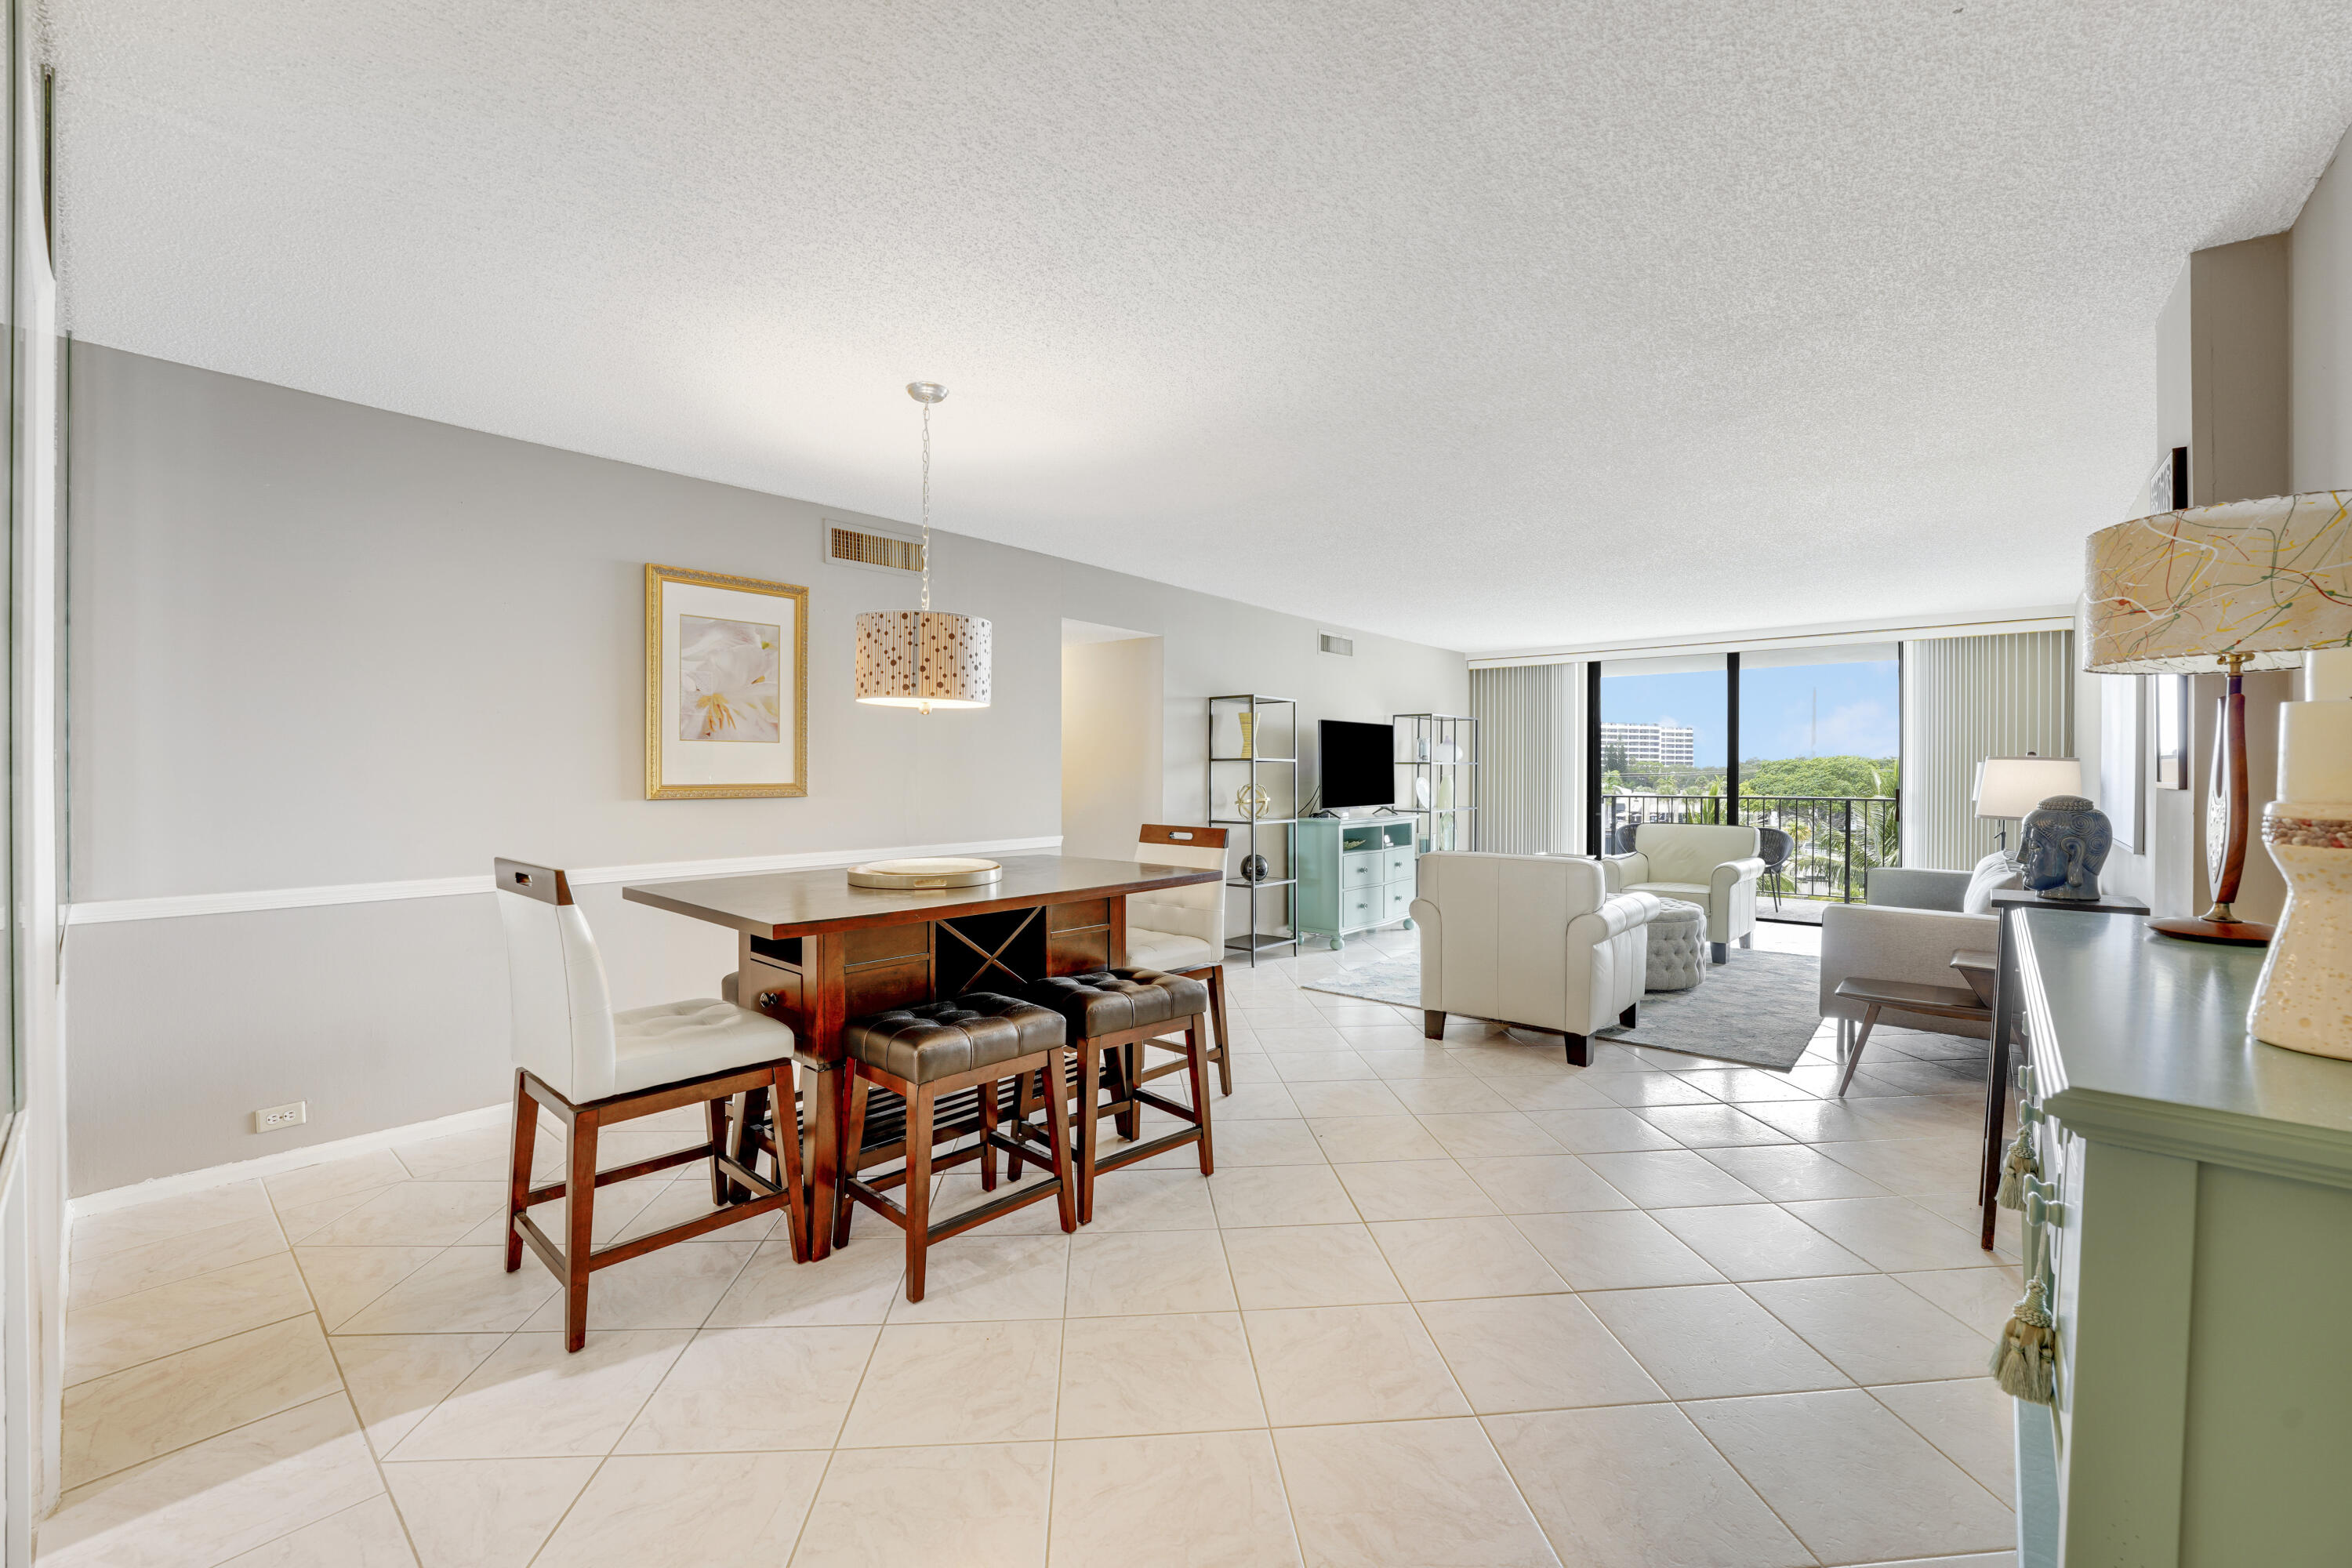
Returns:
(1114,704)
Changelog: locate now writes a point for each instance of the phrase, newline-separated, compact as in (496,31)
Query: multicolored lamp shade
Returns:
(2247,584)
(923,658)
(2254,581)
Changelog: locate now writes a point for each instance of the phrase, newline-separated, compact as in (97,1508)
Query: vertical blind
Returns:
(1527,776)
(1973,697)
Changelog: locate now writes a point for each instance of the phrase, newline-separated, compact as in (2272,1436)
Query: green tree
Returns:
(1867,778)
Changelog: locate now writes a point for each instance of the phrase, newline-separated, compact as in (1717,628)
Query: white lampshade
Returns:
(2012,786)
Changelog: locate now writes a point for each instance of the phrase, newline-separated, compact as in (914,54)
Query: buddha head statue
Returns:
(2065,843)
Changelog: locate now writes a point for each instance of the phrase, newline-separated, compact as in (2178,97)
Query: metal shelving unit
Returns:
(1439,754)
(1234,780)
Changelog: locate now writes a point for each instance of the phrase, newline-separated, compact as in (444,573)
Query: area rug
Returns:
(1761,1009)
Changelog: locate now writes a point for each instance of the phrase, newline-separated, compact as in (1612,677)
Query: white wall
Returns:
(319,645)
(1113,741)
(2320,283)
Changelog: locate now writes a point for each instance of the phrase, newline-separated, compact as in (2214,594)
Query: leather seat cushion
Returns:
(1111,1001)
(1166,949)
(674,1041)
(940,1040)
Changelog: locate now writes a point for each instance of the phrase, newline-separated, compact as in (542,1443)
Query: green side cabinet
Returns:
(2197,1207)
(1354,874)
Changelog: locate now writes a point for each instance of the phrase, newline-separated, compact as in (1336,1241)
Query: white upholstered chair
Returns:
(1713,868)
(1907,928)
(593,1067)
(1536,942)
(1181,931)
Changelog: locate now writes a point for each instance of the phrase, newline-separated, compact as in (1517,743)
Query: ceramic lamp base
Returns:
(2304,999)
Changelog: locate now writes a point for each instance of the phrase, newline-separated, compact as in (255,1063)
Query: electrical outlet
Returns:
(278,1116)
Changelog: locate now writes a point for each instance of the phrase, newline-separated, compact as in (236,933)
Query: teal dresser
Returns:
(2198,1214)
(1354,874)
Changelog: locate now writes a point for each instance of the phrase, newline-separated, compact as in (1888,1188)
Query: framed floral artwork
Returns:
(726,686)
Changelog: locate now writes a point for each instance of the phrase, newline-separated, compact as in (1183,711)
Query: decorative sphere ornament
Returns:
(1254,868)
(2065,843)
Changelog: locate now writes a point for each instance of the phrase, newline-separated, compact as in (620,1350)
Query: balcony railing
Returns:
(1835,838)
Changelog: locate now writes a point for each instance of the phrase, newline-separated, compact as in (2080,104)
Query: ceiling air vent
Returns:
(860,547)
(1344,647)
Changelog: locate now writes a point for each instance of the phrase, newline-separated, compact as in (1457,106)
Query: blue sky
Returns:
(1861,709)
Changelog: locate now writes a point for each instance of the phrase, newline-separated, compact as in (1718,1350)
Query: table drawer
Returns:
(879,944)
(1400,904)
(1361,907)
(1361,870)
(1079,916)
(1399,865)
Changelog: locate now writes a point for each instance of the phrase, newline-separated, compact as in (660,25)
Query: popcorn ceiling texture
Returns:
(1489,324)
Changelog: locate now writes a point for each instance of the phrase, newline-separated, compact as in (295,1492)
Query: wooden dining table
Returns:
(816,952)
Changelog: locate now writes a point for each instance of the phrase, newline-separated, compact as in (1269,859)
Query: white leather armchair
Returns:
(1713,868)
(1531,941)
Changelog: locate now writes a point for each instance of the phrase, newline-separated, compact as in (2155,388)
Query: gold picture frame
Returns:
(725,686)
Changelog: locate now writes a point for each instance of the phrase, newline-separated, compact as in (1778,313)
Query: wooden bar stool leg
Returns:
(525,1144)
(579,1227)
(1089,1092)
(1199,1072)
(853,1139)
(1224,1035)
(987,1126)
(1861,1039)
(1057,1134)
(919,1187)
(1026,1088)
(1128,1122)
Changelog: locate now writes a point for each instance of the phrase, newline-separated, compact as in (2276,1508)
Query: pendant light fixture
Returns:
(923,658)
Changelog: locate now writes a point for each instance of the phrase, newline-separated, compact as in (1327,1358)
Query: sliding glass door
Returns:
(1805,743)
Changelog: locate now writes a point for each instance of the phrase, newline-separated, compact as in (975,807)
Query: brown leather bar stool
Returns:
(1111,1013)
(919,1053)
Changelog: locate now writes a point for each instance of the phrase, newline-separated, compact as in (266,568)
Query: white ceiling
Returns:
(1492,325)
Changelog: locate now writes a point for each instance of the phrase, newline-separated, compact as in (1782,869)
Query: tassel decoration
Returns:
(2024,1358)
(2020,1161)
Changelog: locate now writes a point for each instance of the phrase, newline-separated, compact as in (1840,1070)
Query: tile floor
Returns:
(1441,1304)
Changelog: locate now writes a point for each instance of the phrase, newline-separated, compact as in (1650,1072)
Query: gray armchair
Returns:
(1909,926)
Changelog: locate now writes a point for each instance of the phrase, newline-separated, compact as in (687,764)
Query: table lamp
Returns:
(2012,786)
(2249,585)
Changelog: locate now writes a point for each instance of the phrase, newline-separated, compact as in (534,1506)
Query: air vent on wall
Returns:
(1344,647)
(858,547)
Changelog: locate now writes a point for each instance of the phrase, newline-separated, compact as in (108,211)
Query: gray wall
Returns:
(316,645)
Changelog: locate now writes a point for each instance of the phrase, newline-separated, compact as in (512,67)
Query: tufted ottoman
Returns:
(1677,946)
(1111,1013)
(972,1044)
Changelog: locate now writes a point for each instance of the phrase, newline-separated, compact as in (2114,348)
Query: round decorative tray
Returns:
(939,872)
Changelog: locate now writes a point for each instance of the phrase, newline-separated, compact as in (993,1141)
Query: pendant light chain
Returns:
(927,507)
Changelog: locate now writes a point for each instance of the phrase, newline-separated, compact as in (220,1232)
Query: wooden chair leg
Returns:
(1861,1039)
(579,1228)
(1129,1121)
(1058,1135)
(1199,1072)
(918,1188)
(1089,1092)
(716,1116)
(1579,1050)
(525,1144)
(853,1139)
(1433,1024)
(788,1165)
(1027,1090)
(1224,1035)
(987,1125)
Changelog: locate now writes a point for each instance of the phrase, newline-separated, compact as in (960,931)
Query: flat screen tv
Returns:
(1359,765)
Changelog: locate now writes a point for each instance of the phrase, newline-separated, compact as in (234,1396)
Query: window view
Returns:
(1820,737)
(1664,734)
(1818,733)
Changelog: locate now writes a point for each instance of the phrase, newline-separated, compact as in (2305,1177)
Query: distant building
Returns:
(1664,745)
